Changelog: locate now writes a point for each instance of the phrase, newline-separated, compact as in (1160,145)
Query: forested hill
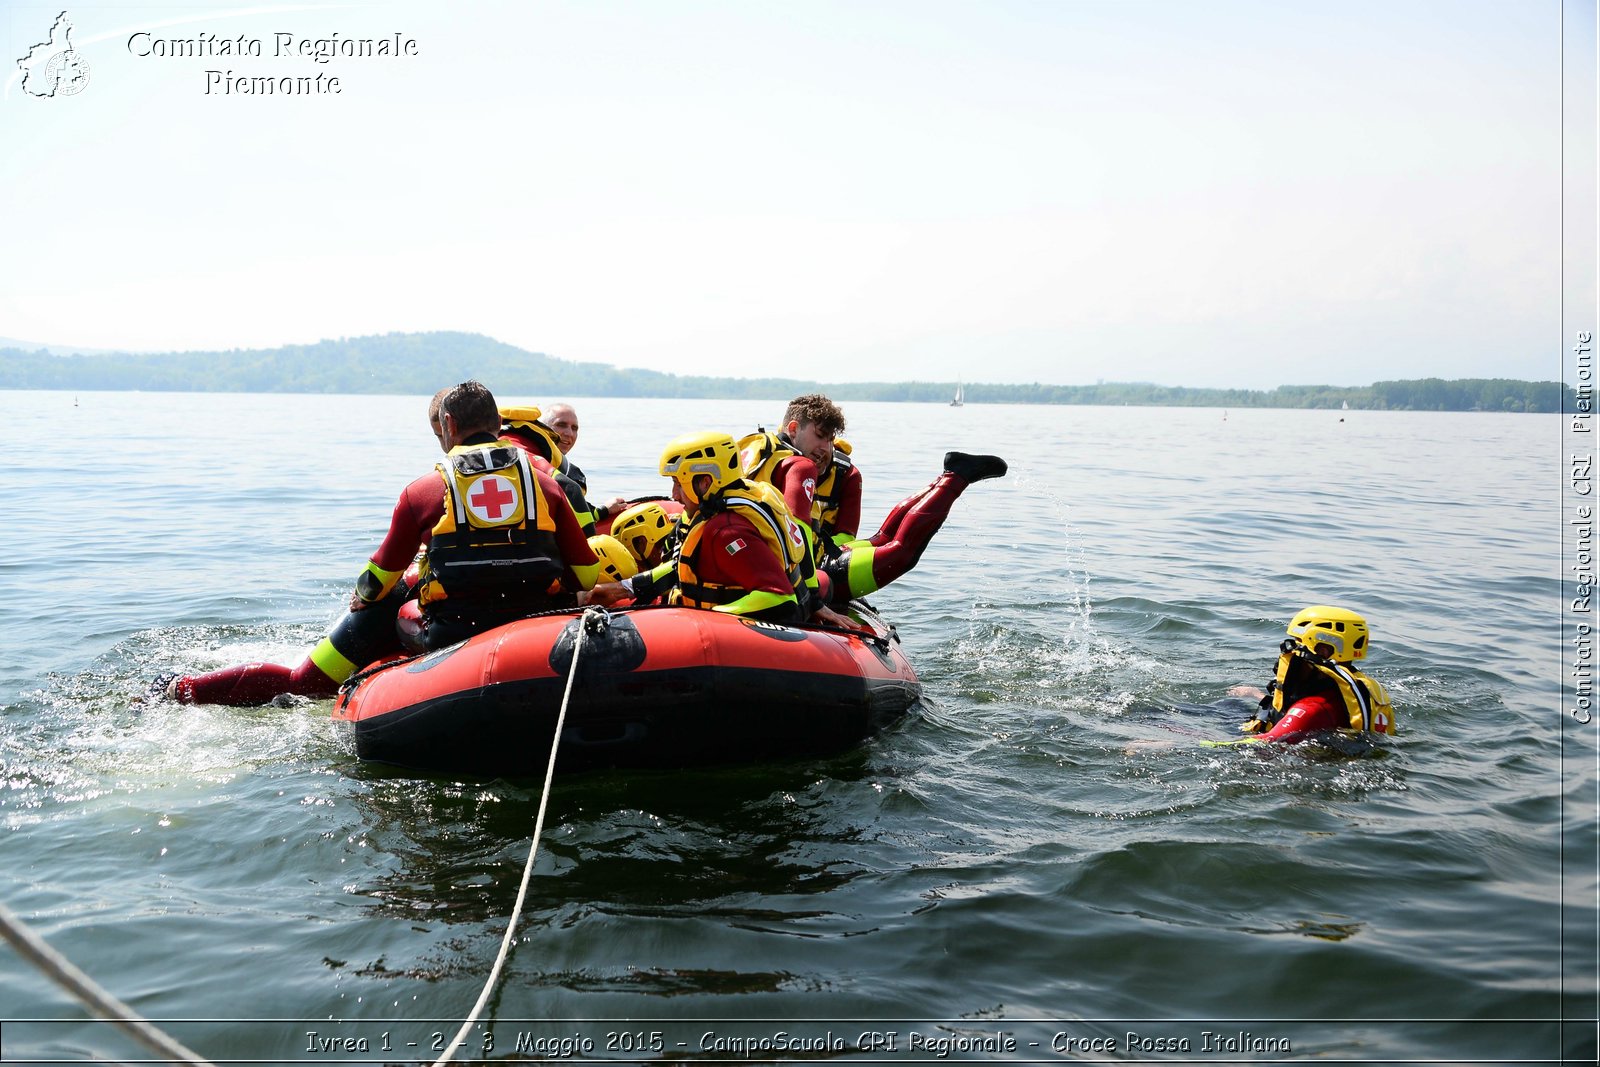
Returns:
(420,363)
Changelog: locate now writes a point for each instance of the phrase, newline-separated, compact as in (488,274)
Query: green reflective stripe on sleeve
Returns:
(330,661)
(653,583)
(586,575)
(846,540)
(858,571)
(374,583)
(757,600)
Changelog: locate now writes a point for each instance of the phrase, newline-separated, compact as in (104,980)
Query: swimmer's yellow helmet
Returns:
(1331,633)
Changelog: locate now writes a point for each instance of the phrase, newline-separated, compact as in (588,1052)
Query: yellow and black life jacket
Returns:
(762,506)
(761,452)
(525,423)
(830,491)
(1366,702)
(496,541)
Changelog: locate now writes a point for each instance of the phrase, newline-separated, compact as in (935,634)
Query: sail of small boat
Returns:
(961,396)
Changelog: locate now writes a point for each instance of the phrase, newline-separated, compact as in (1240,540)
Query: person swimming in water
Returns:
(1317,693)
(1317,688)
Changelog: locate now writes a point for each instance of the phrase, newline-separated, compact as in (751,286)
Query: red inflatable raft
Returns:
(655,687)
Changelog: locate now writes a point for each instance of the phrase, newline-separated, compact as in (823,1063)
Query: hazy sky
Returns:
(1192,192)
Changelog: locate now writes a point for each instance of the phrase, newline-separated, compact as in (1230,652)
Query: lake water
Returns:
(999,877)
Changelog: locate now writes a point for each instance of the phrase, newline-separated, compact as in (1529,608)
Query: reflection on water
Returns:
(738,838)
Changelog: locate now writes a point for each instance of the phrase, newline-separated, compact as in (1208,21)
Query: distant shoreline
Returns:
(416,363)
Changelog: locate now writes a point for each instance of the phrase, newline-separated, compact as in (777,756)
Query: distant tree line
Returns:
(1423,394)
(419,363)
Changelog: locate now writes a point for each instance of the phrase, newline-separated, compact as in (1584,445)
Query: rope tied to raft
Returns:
(594,621)
(33,948)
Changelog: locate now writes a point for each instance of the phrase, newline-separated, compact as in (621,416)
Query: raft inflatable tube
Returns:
(657,687)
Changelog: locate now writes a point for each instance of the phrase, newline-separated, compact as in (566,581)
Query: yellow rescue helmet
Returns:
(708,452)
(1331,633)
(616,562)
(640,527)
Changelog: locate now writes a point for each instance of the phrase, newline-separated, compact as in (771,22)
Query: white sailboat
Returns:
(960,397)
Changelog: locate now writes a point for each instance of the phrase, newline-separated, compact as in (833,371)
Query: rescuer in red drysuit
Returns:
(546,550)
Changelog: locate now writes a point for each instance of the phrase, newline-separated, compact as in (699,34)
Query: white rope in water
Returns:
(527,869)
(33,948)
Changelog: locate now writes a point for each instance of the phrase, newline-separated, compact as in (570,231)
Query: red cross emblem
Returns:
(490,498)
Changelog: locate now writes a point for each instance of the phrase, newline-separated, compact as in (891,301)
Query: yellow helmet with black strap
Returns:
(1336,634)
(616,562)
(642,526)
(705,452)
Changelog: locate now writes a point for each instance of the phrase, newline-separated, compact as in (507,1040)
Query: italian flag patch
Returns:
(735,546)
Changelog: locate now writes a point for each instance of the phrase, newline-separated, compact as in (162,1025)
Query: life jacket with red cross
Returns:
(495,544)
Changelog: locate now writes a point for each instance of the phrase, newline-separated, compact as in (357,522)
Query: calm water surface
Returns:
(1005,866)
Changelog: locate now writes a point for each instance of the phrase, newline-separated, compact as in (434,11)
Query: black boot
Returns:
(973,468)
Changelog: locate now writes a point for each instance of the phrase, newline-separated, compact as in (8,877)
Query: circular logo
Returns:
(68,71)
(494,500)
